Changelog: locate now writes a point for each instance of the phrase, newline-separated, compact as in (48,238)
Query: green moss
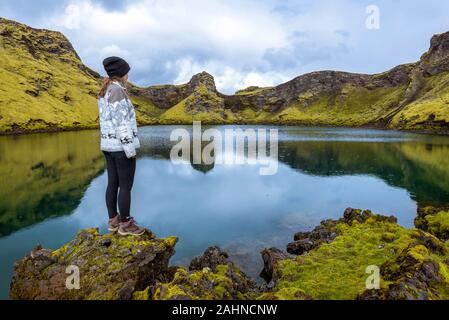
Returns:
(389,237)
(439,224)
(226,282)
(45,86)
(142,295)
(251,91)
(146,112)
(430,108)
(109,261)
(434,220)
(444,271)
(338,270)
(202,105)
(110,266)
(419,253)
(42,83)
(289,293)
(351,107)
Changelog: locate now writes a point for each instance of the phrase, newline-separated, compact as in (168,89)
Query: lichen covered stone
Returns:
(337,263)
(227,282)
(110,267)
(212,276)
(413,264)
(434,220)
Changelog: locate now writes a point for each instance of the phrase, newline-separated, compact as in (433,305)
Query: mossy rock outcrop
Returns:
(110,267)
(211,276)
(113,267)
(434,220)
(226,282)
(334,260)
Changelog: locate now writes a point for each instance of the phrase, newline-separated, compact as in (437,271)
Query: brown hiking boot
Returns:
(114,224)
(130,228)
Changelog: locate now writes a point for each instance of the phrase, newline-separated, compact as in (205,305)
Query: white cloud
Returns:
(226,77)
(241,43)
(72,17)
(114,50)
(186,67)
(237,80)
(173,40)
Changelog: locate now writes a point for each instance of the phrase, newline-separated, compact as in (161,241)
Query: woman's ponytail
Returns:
(106,82)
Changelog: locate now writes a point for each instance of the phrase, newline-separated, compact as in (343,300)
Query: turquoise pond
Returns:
(53,185)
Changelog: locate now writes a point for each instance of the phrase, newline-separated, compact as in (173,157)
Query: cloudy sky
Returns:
(241,43)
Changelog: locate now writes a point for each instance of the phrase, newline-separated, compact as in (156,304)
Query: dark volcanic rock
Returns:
(361,216)
(110,267)
(413,264)
(205,79)
(306,241)
(434,220)
(413,275)
(227,282)
(270,257)
(436,60)
(167,96)
(300,246)
(210,276)
(211,258)
(326,232)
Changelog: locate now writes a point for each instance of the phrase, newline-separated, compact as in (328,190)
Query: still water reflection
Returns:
(52,185)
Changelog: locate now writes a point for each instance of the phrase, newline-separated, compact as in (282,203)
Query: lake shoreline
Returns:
(56,183)
(20,132)
(411,262)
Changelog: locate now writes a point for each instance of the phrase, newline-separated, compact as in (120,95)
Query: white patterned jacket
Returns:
(118,124)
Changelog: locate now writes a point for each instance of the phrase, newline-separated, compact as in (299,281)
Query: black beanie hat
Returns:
(116,67)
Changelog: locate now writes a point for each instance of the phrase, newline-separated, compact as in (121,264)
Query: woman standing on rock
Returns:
(119,142)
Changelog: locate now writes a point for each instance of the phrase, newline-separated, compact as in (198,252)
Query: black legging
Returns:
(121,172)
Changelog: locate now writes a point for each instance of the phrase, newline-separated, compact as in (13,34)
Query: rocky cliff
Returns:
(43,82)
(45,86)
(411,96)
(329,262)
(109,267)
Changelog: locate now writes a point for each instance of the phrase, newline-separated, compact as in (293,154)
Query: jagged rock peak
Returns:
(203,78)
(41,44)
(439,45)
(436,59)
(38,42)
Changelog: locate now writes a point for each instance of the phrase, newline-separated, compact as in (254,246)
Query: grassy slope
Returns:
(45,86)
(188,110)
(352,106)
(45,91)
(343,276)
(431,105)
(146,112)
(337,270)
